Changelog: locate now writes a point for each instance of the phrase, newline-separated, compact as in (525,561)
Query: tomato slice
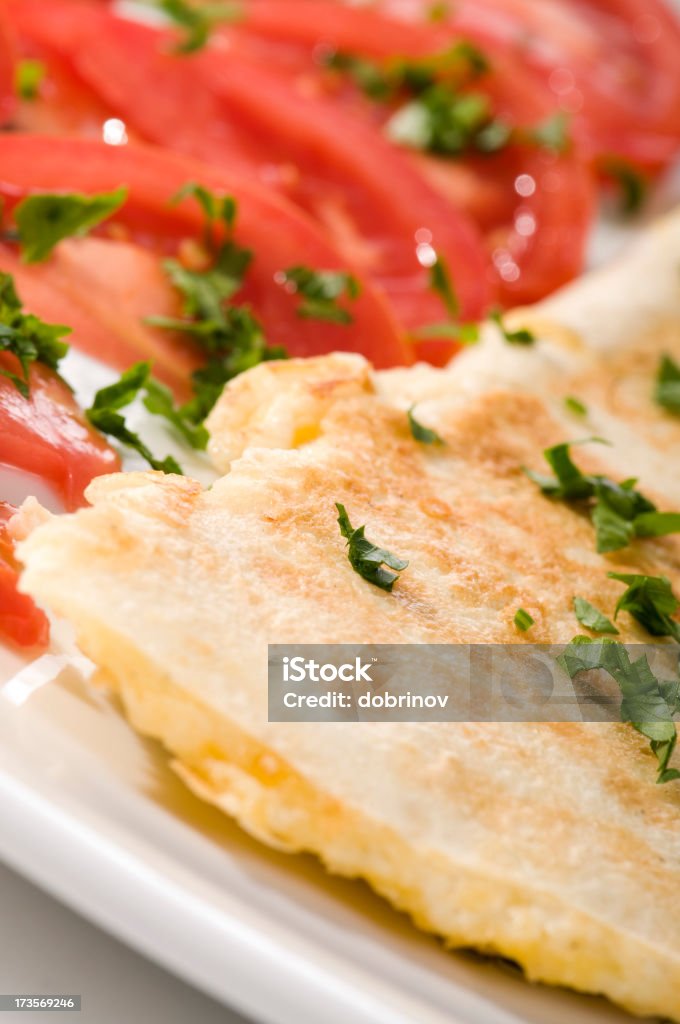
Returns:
(274,230)
(612,64)
(47,434)
(534,207)
(368,195)
(104,289)
(21,622)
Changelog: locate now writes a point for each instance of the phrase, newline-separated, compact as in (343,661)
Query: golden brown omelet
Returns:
(550,844)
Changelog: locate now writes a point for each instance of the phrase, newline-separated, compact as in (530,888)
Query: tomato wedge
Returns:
(21,622)
(274,230)
(236,112)
(47,434)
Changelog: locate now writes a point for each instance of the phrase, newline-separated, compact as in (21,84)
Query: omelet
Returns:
(548,843)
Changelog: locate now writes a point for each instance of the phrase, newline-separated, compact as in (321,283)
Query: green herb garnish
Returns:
(648,703)
(105,416)
(520,337)
(466,334)
(651,602)
(442,283)
(523,620)
(230,335)
(366,558)
(199,21)
(553,133)
(667,392)
(27,337)
(591,617)
(576,406)
(439,10)
(44,219)
(632,184)
(618,511)
(320,291)
(420,433)
(28,77)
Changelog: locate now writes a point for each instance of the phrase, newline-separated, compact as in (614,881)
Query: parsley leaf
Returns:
(553,133)
(27,337)
(575,405)
(667,393)
(103,414)
(465,334)
(28,77)
(651,602)
(618,511)
(366,558)
(647,703)
(159,401)
(420,433)
(442,284)
(520,337)
(321,290)
(46,218)
(591,617)
(633,185)
(230,335)
(199,21)
(523,620)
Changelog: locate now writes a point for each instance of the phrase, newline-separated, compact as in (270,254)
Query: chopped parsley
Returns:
(648,703)
(199,21)
(523,620)
(667,392)
(553,133)
(442,283)
(420,433)
(105,416)
(28,77)
(523,336)
(465,334)
(619,512)
(439,10)
(591,617)
(27,337)
(229,334)
(436,110)
(44,219)
(651,602)
(320,291)
(368,560)
(575,405)
(632,185)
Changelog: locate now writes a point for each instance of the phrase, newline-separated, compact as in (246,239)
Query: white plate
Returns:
(92,813)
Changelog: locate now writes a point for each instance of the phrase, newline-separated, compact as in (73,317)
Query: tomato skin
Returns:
(239,113)
(275,231)
(536,242)
(47,434)
(613,64)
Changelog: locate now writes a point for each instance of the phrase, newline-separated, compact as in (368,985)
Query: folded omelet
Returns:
(550,844)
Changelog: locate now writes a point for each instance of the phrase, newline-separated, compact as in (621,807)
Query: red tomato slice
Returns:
(21,622)
(103,289)
(365,192)
(46,434)
(535,208)
(275,231)
(612,64)
(8,55)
